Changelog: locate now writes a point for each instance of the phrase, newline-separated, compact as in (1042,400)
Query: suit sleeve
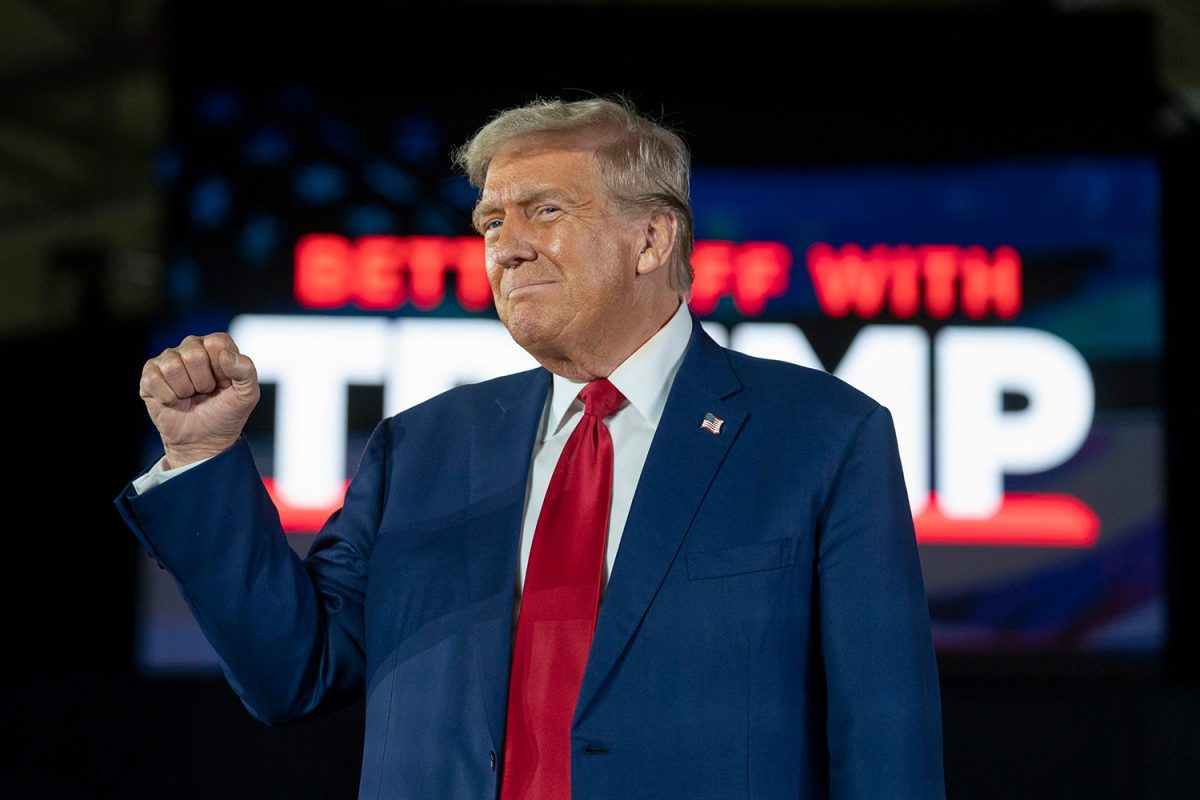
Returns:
(884,712)
(289,632)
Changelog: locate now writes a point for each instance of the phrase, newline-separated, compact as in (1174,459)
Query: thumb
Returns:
(238,367)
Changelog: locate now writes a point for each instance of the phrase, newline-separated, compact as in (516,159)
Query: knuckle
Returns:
(219,338)
(194,359)
(154,387)
(170,363)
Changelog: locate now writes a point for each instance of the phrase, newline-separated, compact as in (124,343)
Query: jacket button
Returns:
(492,759)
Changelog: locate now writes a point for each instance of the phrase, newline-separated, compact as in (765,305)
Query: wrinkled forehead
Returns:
(533,170)
(533,164)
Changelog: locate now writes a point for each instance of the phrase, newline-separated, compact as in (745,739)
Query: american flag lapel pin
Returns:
(712,423)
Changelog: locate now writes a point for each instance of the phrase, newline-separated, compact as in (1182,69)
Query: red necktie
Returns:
(558,607)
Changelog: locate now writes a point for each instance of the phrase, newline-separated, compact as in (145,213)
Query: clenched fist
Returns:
(199,396)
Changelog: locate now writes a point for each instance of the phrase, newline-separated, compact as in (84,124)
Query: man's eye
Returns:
(491,225)
(549,209)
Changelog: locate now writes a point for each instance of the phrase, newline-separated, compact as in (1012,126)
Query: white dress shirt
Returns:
(160,474)
(644,379)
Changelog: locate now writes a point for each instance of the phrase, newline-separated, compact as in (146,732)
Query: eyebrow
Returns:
(533,197)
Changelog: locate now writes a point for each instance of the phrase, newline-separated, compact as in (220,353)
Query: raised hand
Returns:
(199,396)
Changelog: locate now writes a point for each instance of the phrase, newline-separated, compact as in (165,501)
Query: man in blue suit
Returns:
(762,632)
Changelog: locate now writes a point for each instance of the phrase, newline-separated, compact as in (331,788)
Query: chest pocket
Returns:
(757,557)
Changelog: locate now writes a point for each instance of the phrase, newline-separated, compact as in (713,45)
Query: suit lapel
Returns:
(501,447)
(682,462)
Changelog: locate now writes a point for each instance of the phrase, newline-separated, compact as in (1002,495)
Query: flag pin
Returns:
(712,423)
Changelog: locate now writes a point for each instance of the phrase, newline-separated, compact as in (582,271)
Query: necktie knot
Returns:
(601,398)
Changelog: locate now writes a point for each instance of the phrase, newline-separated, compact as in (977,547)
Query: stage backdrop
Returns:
(1007,311)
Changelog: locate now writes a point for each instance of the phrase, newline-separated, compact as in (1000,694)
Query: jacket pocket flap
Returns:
(756,557)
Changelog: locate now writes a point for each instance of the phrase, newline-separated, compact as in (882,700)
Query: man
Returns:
(709,558)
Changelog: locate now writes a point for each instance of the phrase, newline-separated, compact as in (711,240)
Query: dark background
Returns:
(852,87)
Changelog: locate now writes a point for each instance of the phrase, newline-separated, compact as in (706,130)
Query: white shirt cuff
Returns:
(160,474)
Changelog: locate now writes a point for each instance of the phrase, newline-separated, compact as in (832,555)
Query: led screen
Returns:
(1006,312)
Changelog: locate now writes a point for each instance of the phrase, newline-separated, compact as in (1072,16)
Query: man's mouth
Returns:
(525,285)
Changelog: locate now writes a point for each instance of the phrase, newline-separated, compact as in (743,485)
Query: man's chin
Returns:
(535,337)
(526,331)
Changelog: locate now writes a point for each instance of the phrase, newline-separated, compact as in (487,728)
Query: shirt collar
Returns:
(644,378)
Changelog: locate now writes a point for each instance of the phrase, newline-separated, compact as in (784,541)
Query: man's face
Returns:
(561,259)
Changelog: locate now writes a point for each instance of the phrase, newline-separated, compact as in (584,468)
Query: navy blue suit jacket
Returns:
(764,633)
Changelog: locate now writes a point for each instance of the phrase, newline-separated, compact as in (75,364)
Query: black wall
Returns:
(768,86)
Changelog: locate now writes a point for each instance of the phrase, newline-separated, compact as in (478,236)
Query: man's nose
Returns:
(512,245)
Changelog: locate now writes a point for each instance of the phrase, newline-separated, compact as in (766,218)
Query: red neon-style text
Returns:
(939,279)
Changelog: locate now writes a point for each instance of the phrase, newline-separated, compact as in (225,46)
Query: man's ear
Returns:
(658,242)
